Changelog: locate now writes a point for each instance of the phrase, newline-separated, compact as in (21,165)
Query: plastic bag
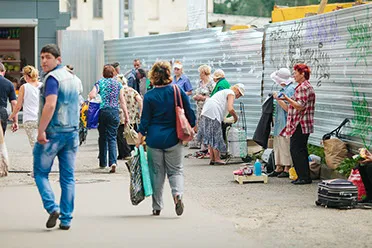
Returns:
(137,193)
(356,179)
(292,174)
(130,134)
(145,172)
(335,151)
(93,114)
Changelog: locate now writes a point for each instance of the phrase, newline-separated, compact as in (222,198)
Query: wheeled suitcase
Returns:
(337,193)
(236,137)
(237,142)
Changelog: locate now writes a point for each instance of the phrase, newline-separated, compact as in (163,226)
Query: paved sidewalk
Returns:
(104,217)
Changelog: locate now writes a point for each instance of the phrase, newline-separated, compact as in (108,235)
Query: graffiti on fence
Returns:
(361,122)
(319,62)
(317,58)
(323,30)
(277,34)
(360,40)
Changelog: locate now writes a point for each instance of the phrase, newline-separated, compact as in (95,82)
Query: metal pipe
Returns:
(121,18)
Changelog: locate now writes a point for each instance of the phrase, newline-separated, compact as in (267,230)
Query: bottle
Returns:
(257,168)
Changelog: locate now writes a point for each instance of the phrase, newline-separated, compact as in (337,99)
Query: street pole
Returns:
(130,18)
(206,10)
(121,18)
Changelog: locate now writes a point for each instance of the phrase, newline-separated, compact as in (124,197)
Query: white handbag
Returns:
(130,134)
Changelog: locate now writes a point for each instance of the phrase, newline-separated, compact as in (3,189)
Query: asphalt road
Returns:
(218,213)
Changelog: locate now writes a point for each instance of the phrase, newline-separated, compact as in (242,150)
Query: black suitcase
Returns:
(337,193)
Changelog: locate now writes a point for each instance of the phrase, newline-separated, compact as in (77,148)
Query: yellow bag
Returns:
(292,174)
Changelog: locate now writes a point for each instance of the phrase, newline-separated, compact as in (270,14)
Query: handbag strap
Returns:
(177,93)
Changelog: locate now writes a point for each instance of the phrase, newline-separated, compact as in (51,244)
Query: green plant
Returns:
(316,150)
(257,155)
(346,166)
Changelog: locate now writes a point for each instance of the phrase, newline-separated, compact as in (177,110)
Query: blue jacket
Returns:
(158,121)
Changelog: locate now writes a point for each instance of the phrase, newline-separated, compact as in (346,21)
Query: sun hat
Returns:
(283,75)
(177,65)
(241,88)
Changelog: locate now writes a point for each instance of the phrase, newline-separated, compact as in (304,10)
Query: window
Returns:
(72,8)
(126,34)
(97,9)
(126,4)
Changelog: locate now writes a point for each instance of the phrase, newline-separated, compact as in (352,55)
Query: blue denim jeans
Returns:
(64,146)
(108,123)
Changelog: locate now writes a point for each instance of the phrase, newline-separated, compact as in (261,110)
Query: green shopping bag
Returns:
(145,172)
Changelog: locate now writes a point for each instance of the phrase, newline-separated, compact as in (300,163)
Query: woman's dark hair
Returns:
(115,64)
(160,73)
(108,71)
(303,68)
(52,49)
(142,72)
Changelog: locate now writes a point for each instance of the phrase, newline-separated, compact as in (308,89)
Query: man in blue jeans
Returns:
(57,135)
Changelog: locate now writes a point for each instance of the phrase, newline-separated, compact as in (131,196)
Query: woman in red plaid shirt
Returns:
(300,122)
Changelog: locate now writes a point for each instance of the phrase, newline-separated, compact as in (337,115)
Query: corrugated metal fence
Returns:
(237,53)
(337,47)
(85,51)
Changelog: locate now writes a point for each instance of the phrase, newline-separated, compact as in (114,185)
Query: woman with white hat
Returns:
(283,160)
(213,113)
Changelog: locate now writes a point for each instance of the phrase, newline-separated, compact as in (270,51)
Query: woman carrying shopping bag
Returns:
(112,95)
(158,124)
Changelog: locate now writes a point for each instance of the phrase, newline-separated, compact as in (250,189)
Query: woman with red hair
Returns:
(300,122)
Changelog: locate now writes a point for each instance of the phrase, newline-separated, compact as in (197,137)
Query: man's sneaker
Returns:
(52,220)
(62,227)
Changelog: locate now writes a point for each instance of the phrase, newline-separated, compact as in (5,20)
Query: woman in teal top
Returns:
(111,92)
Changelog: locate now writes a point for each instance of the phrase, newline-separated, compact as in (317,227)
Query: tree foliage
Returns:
(260,8)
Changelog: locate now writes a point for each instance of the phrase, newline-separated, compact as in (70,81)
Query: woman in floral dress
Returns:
(202,93)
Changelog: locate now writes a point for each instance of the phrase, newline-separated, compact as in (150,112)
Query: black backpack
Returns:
(270,165)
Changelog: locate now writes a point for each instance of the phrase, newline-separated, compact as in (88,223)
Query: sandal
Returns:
(220,163)
(211,163)
(284,174)
(179,206)
(275,174)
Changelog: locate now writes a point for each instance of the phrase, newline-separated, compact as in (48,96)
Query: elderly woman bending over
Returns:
(214,110)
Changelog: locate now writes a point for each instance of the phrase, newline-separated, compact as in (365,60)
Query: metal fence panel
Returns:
(237,53)
(337,47)
(84,50)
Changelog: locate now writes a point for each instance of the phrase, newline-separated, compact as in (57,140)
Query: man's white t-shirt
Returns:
(216,106)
